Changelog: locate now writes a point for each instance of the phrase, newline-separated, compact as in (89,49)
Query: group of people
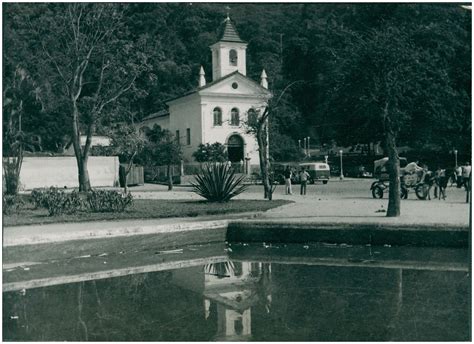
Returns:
(461,175)
(303,178)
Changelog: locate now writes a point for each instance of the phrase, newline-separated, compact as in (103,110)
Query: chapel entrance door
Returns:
(235,148)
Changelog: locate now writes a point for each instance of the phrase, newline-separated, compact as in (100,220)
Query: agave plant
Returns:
(218,182)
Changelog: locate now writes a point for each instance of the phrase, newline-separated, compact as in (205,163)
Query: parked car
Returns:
(357,171)
(318,171)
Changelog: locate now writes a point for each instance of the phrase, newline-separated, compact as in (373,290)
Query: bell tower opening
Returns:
(228,54)
(233,57)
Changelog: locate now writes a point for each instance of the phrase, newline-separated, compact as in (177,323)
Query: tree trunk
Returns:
(84,182)
(170,179)
(81,158)
(11,174)
(262,140)
(393,164)
(126,173)
(125,185)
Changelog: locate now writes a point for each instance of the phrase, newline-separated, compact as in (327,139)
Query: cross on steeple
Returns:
(228,54)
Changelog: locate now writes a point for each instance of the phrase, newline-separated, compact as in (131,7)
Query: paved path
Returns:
(344,202)
(347,201)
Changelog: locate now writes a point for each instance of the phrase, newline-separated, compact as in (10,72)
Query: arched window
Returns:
(252,117)
(217,116)
(233,57)
(234,117)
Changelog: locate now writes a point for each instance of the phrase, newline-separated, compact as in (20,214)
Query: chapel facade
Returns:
(219,110)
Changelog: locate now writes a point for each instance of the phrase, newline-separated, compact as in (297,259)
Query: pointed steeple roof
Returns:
(229,33)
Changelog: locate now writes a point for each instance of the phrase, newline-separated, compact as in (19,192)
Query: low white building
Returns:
(218,111)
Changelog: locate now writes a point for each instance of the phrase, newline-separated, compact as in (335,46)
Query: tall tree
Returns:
(259,125)
(127,142)
(162,149)
(83,56)
(392,80)
(19,89)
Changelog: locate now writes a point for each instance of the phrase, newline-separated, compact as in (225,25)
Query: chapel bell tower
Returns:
(228,54)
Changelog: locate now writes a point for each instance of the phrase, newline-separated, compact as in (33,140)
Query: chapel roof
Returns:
(161,113)
(229,34)
(216,82)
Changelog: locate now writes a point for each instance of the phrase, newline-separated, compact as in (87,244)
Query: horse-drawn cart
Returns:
(415,181)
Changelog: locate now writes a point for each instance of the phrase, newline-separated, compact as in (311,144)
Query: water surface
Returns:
(260,293)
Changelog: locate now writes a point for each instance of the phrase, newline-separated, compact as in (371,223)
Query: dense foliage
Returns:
(215,152)
(336,49)
(11,204)
(104,201)
(59,202)
(161,149)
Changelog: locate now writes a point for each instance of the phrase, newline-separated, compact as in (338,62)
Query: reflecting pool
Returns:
(259,293)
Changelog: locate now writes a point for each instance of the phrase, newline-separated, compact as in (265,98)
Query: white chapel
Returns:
(217,111)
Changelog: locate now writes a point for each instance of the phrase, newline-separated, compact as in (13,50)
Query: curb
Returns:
(356,234)
(241,230)
(95,230)
(125,231)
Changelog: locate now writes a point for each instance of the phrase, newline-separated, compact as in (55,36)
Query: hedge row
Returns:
(58,201)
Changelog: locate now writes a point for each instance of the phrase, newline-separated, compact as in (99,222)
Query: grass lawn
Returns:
(144,209)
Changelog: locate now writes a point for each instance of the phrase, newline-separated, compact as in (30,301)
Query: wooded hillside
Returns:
(346,54)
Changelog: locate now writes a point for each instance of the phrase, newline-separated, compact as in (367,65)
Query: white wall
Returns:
(221,134)
(196,112)
(187,114)
(39,172)
(220,59)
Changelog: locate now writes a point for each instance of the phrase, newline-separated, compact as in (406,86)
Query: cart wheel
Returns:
(421,191)
(377,192)
(325,182)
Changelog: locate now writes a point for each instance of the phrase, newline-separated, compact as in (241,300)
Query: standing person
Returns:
(442,183)
(468,188)
(441,179)
(287,174)
(436,187)
(303,180)
(452,176)
(458,171)
(466,172)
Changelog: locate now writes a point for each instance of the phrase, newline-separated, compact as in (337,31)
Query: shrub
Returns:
(218,183)
(58,202)
(39,197)
(102,201)
(12,203)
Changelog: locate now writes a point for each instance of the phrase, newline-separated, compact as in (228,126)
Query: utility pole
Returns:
(341,177)
(309,154)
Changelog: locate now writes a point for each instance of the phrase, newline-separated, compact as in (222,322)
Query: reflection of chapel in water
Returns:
(230,289)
